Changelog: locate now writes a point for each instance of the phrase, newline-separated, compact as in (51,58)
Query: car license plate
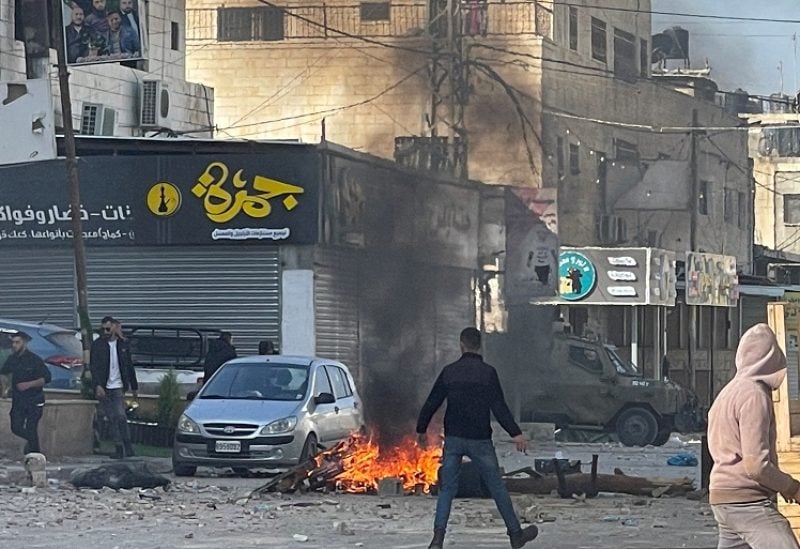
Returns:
(228,446)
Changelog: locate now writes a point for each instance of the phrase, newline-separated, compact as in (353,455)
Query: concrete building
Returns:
(554,95)
(106,98)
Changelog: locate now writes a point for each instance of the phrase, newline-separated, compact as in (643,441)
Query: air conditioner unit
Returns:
(611,229)
(98,119)
(154,104)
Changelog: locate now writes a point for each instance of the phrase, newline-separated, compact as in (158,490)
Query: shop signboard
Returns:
(711,280)
(531,259)
(617,276)
(269,198)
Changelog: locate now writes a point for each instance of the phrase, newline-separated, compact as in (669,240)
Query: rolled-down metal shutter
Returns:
(38,286)
(455,310)
(336,317)
(235,289)
(754,310)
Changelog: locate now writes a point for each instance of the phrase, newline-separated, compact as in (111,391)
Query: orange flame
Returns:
(365,463)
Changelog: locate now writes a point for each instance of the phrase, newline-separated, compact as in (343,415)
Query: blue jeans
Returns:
(482,453)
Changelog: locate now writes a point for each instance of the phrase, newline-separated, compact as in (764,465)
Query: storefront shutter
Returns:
(233,289)
(336,306)
(39,286)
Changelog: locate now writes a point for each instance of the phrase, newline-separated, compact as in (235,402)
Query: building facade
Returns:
(107,99)
(548,95)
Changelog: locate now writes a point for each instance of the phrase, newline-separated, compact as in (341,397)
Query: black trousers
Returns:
(25,418)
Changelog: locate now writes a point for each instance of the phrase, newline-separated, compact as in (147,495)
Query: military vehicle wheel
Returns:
(637,427)
(661,438)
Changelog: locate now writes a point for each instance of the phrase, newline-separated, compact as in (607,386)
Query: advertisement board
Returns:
(617,276)
(103,31)
(711,280)
(531,261)
(154,200)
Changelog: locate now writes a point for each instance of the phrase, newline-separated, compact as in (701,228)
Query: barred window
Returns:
(250,24)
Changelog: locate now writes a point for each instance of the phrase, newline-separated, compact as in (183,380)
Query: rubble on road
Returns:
(117,476)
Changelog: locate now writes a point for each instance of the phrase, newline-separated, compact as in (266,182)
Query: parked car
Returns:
(60,348)
(267,412)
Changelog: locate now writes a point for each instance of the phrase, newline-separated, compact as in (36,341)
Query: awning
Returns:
(764,291)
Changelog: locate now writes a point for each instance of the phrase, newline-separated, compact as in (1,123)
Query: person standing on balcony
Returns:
(113,375)
(472,390)
(28,377)
(742,434)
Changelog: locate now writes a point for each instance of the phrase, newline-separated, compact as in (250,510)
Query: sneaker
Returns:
(518,539)
(438,540)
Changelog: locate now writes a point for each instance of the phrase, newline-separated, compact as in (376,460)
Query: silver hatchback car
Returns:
(267,412)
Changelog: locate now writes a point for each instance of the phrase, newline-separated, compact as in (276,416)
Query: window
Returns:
(321,383)
(644,58)
(341,388)
(704,198)
(731,209)
(574,159)
(602,173)
(375,11)
(573,28)
(175,36)
(560,156)
(791,209)
(586,358)
(625,150)
(599,39)
(625,66)
(743,217)
(249,24)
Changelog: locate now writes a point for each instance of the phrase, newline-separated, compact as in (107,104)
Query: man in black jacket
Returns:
(113,375)
(220,351)
(472,390)
(28,376)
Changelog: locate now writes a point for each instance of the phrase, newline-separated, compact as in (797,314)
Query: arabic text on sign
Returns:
(221,206)
(54,214)
(622,291)
(624,261)
(622,276)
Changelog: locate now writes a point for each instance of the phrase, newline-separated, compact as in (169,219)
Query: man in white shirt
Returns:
(112,376)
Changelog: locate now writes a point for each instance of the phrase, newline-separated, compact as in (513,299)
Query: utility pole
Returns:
(693,248)
(74,183)
(448,83)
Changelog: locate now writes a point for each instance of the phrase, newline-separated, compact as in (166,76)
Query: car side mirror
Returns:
(324,398)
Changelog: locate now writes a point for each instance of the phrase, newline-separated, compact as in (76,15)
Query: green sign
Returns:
(576,274)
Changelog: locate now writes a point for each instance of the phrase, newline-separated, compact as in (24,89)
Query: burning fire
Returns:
(364,463)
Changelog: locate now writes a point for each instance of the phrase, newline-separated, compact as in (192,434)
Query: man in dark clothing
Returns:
(28,376)
(113,375)
(472,390)
(220,351)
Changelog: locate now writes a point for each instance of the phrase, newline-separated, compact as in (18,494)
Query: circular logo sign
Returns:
(163,199)
(577,276)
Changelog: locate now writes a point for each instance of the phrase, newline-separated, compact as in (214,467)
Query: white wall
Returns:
(297,312)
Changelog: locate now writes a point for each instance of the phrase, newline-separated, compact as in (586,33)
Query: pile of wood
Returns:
(321,472)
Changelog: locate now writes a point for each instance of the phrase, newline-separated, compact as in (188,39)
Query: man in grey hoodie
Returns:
(745,478)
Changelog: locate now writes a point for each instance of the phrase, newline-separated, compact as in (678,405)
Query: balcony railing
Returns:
(263,24)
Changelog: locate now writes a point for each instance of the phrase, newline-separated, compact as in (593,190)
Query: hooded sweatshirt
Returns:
(741,425)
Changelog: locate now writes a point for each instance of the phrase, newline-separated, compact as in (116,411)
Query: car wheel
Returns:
(310,448)
(181,470)
(637,427)
(662,437)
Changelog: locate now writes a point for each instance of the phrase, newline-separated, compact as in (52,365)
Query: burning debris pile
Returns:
(358,465)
